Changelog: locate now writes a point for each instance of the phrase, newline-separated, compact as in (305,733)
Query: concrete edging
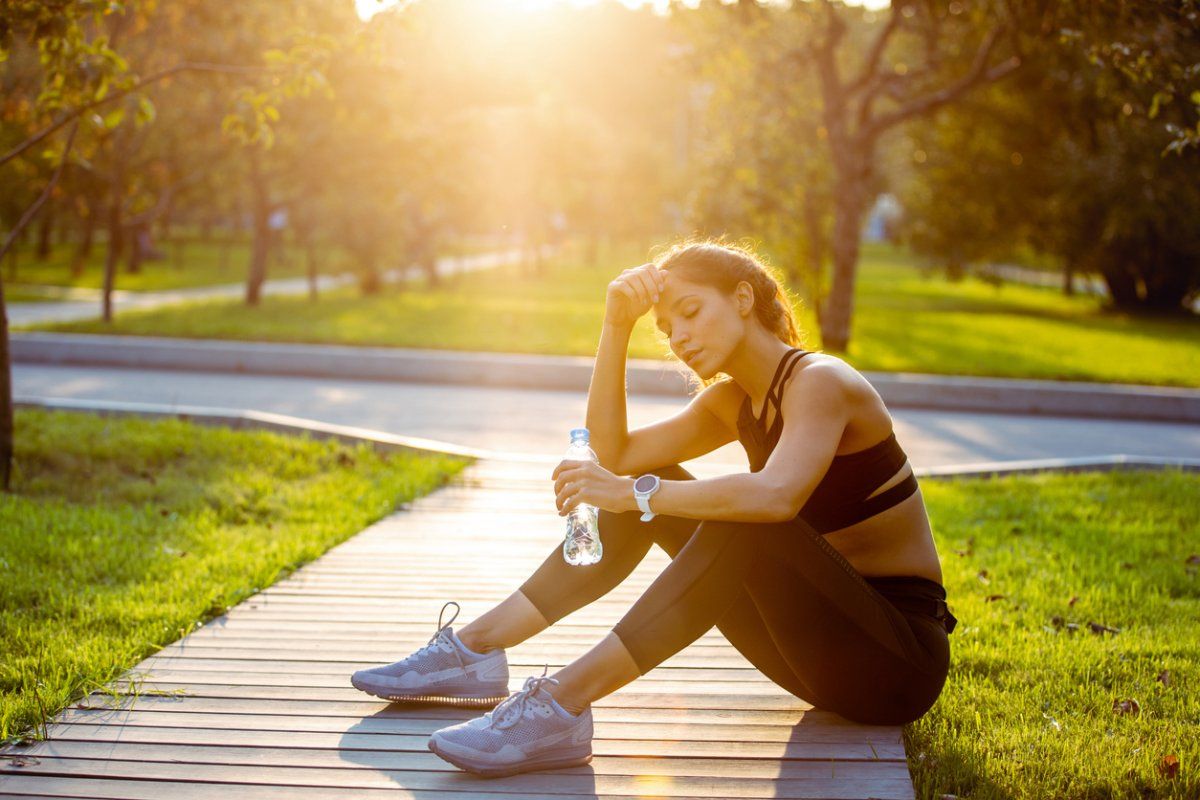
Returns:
(281,423)
(574,373)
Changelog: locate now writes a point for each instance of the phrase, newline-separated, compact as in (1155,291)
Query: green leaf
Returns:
(146,112)
(113,118)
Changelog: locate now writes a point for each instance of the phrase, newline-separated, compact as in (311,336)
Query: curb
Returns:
(245,419)
(574,373)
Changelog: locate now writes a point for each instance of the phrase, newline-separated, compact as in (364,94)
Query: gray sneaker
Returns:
(528,731)
(443,671)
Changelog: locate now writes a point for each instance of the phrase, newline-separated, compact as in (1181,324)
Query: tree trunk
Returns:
(1068,286)
(1122,287)
(12,256)
(79,260)
(116,240)
(6,397)
(45,230)
(116,237)
(261,247)
(839,306)
(310,262)
(134,264)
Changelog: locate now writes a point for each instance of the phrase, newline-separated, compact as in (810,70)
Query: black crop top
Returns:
(841,498)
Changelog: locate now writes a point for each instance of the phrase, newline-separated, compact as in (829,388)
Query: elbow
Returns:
(785,507)
(610,458)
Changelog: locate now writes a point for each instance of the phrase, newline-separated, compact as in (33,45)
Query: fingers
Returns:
(567,502)
(649,286)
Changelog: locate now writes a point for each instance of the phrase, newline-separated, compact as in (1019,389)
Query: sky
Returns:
(367,8)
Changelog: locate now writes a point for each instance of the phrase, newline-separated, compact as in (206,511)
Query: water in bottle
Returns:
(582,545)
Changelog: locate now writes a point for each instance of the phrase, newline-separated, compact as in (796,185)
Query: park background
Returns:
(994,189)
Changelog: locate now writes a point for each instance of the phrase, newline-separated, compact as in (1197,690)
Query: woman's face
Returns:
(701,322)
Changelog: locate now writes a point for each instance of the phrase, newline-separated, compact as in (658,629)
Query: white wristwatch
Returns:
(643,487)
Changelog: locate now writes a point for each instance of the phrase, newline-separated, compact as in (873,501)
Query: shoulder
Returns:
(723,399)
(820,379)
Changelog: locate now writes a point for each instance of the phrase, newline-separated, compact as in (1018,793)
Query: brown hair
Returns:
(722,265)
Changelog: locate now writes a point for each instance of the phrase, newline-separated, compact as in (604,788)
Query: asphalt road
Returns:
(526,421)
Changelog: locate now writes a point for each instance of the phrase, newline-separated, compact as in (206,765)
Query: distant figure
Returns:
(818,565)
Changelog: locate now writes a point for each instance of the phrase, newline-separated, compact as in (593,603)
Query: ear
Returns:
(743,297)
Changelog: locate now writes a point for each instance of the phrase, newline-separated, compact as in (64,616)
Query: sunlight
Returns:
(369,8)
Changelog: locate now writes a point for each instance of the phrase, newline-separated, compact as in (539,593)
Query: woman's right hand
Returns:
(632,293)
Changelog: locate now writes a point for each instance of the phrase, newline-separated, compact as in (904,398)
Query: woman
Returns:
(818,565)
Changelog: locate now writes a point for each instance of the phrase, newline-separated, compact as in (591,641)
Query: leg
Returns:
(557,588)
(609,665)
(511,622)
(847,647)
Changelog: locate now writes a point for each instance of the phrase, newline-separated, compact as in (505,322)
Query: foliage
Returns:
(1073,160)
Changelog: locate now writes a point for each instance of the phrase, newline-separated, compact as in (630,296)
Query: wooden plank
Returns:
(786,761)
(629,696)
(805,779)
(682,745)
(193,664)
(695,731)
(105,789)
(601,713)
(681,737)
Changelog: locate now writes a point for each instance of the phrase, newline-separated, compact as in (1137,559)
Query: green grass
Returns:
(122,534)
(1027,710)
(904,321)
(188,261)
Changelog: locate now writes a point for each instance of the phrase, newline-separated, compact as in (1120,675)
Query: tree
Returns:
(1077,160)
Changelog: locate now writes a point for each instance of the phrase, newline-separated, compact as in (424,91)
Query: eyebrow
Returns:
(658,321)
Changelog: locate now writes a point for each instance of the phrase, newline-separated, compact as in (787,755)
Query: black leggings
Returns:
(871,650)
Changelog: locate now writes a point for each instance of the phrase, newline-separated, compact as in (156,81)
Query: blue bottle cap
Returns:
(579,433)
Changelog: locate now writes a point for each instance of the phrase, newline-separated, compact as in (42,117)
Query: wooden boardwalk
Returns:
(258,702)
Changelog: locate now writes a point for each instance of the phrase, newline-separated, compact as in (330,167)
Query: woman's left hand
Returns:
(578,482)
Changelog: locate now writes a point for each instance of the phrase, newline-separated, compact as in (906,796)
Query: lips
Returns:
(690,355)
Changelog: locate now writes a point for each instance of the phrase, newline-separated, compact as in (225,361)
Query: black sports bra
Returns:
(842,497)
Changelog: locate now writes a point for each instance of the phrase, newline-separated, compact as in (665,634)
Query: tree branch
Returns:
(977,74)
(158,76)
(876,52)
(32,211)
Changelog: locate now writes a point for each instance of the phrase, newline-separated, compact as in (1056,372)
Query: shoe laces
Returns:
(441,637)
(512,708)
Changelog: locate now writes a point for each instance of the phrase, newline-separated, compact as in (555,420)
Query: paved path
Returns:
(124,300)
(537,421)
(257,704)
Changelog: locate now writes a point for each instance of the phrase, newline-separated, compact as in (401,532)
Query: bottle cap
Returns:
(579,433)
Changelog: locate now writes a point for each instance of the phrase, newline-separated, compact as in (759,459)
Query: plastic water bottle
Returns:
(582,545)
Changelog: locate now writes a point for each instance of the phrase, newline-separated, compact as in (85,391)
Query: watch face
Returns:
(644,483)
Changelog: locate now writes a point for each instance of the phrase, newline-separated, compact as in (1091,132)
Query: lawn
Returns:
(123,534)
(905,321)
(188,260)
(1030,565)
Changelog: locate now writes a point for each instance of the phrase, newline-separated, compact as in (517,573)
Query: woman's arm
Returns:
(815,414)
(629,296)
(607,425)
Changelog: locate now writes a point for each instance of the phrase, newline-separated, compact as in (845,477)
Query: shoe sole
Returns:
(461,700)
(543,762)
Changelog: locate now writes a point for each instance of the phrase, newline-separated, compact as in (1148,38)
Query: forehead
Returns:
(673,295)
